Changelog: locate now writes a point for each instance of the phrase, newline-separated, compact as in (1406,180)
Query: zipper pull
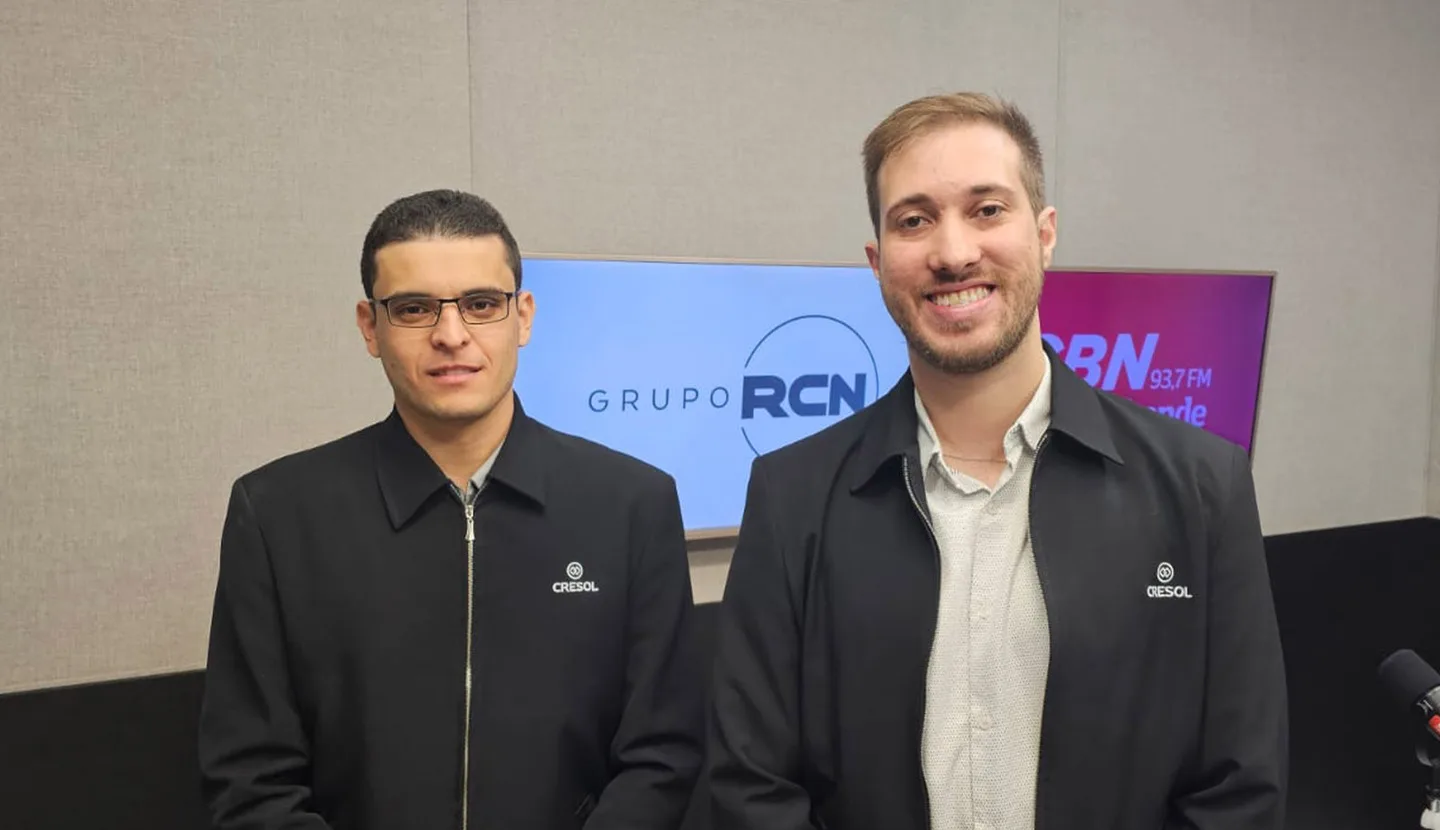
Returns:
(470,522)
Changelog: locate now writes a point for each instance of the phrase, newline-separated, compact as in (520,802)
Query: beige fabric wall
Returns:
(183,191)
(724,128)
(184,187)
(1298,136)
(1433,500)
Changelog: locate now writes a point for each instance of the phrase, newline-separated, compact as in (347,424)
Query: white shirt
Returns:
(985,686)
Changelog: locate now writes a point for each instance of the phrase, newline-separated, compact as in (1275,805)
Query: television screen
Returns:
(697,367)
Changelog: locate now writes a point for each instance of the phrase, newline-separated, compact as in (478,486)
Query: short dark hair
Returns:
(447,214)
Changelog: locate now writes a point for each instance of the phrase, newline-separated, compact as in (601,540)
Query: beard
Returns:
(1020,292)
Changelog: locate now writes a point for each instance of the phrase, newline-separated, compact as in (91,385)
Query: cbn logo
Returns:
(804,374)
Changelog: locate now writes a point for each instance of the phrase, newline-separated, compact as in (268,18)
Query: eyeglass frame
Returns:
(510,297)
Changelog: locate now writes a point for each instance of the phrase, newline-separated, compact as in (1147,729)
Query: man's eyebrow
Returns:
(991,189)
(975,191)
(913,200)
(421,295)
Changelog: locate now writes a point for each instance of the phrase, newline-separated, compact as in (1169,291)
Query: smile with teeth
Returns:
(962,298)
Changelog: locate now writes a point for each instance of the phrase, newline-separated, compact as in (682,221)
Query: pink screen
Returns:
(1188,345)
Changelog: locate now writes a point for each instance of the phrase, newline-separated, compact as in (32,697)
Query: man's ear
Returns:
(525,310)
(366,318)
(1048,235)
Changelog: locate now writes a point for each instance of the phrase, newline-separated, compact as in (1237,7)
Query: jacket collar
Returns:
(409,477)
(1075,411)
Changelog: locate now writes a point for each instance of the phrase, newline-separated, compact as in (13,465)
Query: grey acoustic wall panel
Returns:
(1293,136)
(722,128)
(184,187)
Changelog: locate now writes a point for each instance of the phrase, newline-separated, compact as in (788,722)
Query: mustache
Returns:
(984,273)
(950,279)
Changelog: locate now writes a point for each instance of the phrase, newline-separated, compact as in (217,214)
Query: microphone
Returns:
(1410,681)
(1413,684)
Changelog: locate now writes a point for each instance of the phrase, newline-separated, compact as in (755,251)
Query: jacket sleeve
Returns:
(1244,762)
(754,765)
(254,758)
(657,747)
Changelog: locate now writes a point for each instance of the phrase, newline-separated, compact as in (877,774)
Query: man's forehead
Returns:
(441,249)
(957,157)
(432,265)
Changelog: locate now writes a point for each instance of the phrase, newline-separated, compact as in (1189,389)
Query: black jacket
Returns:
(335,692)
(1160,711)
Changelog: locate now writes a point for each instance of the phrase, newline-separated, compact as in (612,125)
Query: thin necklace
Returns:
(966,458)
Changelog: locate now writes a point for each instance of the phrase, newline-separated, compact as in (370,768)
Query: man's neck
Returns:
(459,448)
(971,413)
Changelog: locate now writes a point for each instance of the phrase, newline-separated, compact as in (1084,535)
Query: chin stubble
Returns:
(961,363)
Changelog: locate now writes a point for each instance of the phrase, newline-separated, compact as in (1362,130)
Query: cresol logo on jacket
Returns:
(576,585)
(1166,574)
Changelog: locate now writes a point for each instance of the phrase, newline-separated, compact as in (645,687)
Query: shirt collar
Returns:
(1026,432)
(409,477)
(477,481)
(891,423)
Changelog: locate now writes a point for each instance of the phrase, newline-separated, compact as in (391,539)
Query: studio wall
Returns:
(184,188)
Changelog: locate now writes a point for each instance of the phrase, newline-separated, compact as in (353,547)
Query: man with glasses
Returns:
(456,617)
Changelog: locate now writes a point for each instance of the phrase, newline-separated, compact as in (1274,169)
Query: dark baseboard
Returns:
(122,755)
(118,755)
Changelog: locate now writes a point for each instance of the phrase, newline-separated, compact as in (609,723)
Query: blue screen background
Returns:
(659,329)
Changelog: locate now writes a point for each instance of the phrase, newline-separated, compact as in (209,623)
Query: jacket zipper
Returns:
(1040,574)
(469,651)
(934,622)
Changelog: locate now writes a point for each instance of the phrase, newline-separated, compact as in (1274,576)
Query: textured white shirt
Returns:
(985,687)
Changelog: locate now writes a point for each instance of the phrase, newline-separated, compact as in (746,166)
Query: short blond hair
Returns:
(924,115)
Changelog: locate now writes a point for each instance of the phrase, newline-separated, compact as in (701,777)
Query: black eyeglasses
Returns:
(476,308)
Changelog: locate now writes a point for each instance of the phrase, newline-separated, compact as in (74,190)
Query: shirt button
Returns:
(981,718)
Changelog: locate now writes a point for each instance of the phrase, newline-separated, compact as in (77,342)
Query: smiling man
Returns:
(941,612)
(457,617)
